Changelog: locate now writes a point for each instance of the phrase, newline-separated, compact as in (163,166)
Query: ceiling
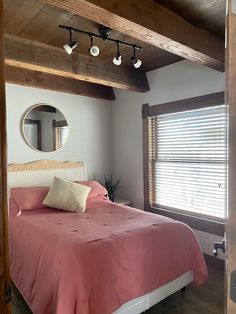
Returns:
(208,15)
(35,20)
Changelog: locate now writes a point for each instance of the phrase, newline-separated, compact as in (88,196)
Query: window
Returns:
(61,132)
(187,153)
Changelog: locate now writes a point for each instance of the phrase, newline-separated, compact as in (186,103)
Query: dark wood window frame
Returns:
(203,224)
(59,123)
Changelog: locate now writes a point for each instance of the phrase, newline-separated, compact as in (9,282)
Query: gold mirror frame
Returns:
(39,149)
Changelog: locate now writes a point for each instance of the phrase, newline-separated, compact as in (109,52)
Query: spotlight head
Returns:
(94,51)
(136,62)
(117,60)
(70,47)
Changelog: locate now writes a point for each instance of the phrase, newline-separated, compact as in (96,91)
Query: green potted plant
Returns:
(111,185)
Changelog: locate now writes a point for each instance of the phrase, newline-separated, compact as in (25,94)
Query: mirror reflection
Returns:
(45,128)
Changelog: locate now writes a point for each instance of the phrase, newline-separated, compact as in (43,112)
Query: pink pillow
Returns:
(96,188)
(28,198)
(13,208)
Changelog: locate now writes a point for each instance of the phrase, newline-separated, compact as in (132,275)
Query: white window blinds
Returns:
(61,134)
(187,161)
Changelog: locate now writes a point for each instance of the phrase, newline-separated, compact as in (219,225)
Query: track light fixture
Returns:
(94,50)
(104,34)
(136,62)
(72,44)
(118,59)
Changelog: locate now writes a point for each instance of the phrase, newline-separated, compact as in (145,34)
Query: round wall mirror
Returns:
(45,128)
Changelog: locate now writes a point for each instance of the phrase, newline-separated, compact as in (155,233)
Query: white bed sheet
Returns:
(143,303)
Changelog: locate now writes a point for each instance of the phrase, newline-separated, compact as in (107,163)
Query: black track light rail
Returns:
(119,42)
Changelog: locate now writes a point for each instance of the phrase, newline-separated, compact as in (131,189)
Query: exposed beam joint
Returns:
(152,23)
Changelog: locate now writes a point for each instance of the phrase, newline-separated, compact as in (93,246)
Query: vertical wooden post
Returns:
(231,101)
(145,110)
(5,281)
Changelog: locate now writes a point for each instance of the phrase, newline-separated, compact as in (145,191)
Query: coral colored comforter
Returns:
(92,263)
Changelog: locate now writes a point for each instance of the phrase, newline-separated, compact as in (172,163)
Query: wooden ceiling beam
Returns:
(35,56)
(152,23)
(57,83)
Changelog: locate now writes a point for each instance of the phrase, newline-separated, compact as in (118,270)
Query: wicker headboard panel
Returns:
(41,172)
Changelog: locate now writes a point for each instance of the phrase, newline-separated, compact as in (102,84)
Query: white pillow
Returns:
(67,195)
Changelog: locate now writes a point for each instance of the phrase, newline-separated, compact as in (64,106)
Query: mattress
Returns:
(143,303)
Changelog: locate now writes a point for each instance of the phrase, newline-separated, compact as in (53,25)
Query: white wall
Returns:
(177,81)
(90,125)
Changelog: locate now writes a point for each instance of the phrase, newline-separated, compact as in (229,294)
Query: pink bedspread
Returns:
(92,263)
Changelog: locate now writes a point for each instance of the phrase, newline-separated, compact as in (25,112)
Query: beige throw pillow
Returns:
(67,195)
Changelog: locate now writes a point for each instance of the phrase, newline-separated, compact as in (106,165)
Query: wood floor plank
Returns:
(208,299)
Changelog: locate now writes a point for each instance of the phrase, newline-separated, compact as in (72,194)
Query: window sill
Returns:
(209,226)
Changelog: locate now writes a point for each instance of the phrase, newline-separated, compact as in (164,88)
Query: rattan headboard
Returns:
(41,172)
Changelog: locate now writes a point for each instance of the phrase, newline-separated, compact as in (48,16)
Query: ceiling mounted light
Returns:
(72,44)
(94,50)
(117,60)
(70,47)
(103,33)
(136,62)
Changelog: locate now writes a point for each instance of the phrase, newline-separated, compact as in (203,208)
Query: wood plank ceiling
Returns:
(208,15)
(37,21)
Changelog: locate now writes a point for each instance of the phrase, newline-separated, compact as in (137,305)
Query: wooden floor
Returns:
(208,299)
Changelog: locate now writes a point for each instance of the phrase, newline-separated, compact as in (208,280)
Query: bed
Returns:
(111,259)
